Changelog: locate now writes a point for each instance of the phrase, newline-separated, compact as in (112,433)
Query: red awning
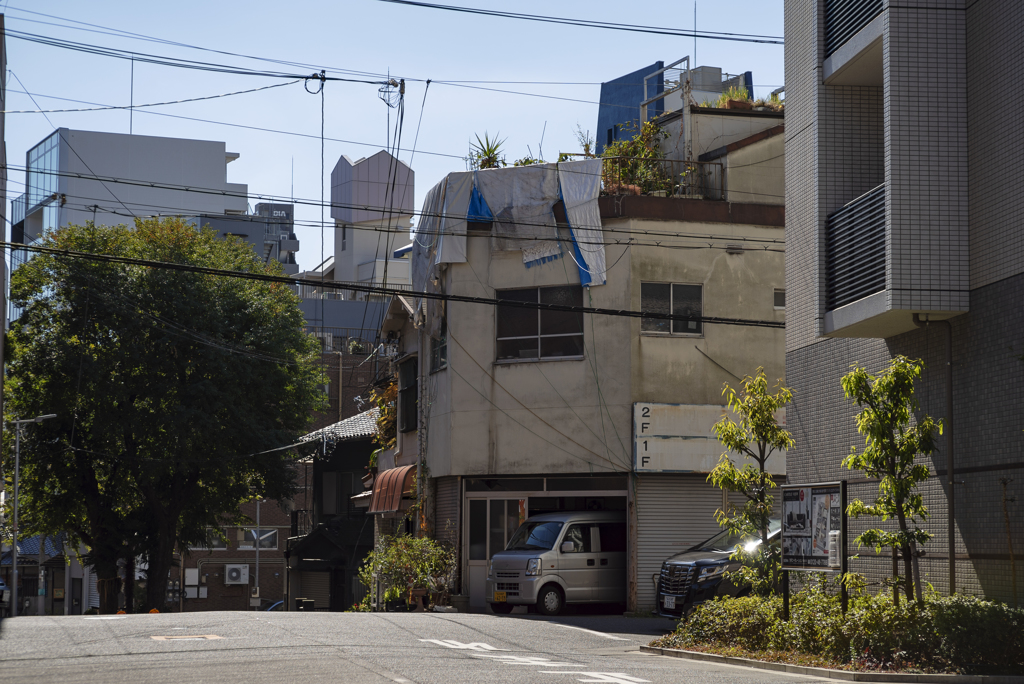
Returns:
(389,487)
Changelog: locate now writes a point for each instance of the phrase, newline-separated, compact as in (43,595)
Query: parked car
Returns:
(560,558)
(696,575)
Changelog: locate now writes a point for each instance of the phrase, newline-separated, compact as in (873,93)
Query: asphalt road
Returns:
(349,648)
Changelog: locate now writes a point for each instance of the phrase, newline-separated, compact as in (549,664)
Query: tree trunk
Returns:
(160,560)
(106,585)
(129,585)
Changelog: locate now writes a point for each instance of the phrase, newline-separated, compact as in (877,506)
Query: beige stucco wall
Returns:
(575,416)
(757,172)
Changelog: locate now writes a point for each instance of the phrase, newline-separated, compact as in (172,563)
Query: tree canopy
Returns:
(171,389)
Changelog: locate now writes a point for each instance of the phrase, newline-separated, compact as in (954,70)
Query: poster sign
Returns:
(809,514)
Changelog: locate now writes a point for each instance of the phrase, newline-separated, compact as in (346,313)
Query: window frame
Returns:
(776,292)
(210,536)
(247,545)
(671,306)
(408,395)
(439,348)
(539,336)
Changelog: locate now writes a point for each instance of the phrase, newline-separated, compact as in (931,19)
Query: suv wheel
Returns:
(550,601)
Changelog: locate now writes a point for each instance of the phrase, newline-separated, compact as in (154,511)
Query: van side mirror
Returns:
(567,547)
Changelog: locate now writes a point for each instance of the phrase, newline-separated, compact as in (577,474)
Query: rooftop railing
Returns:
(663,178)
(336,291)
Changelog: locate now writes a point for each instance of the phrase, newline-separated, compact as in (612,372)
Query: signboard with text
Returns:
(679,438)
(809,514)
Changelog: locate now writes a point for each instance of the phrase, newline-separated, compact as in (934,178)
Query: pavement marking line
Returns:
(612,677)
(474,646)
(108,617)
(525,660)
(590,631)
(191,637)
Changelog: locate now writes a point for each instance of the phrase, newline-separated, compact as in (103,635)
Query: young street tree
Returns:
(756,436)
(169,387)
(891,446)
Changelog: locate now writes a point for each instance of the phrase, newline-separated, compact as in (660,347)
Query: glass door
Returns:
(490,524)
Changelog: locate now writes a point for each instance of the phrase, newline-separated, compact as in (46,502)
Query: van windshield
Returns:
(535,536)
(727,540)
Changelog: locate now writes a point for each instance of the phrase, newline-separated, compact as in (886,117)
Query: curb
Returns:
(826,673)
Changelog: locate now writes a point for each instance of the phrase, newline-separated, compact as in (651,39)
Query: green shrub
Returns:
(948,633)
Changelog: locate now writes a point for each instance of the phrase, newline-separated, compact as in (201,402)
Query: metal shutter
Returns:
(316,586)
(446,510)
(674,512)
(93,598)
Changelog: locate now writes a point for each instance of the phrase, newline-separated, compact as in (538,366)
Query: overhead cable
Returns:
(393,292)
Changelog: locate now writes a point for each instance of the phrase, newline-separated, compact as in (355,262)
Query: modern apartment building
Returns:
(903,232)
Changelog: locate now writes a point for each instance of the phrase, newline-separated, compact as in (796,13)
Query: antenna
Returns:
(694,33)
(293,178)
(540,147)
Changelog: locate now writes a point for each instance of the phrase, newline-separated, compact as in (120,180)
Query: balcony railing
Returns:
(351,340)
(844,18)
(855,250)
(663,177)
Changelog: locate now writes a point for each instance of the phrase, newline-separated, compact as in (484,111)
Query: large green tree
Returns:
(892,442)
(170,388)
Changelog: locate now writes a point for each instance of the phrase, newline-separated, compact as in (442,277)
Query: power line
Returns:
(587,23)
(441,215)
(176,62)
(393,292)
(136,106)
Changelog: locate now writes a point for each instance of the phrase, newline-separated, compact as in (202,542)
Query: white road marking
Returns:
(108,617)
(589,631)
(475,646)
(525,660)
(615,677)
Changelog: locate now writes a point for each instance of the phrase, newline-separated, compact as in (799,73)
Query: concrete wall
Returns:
(166,161)
(757,172)
(362,189)
(575,415)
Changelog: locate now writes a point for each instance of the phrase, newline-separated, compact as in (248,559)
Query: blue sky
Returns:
(367,36)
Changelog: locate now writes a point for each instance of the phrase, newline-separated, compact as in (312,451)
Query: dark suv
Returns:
(696,575)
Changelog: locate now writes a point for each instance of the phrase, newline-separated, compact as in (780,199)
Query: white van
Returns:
(560,558)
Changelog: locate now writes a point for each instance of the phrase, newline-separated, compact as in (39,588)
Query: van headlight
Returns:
(710,572)
(490,568)
(533,567)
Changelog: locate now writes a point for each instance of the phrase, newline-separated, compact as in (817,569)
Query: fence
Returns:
(663,177)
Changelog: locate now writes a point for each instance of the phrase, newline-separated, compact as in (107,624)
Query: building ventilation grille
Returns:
(844,18)
(855,250)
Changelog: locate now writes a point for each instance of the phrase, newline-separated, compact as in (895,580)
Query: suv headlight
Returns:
(533,567)
(710,572)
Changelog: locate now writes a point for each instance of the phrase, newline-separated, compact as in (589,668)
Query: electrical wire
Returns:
(151,104)
(373,289)
(587,23)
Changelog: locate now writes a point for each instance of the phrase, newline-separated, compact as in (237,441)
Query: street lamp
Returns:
(17,469)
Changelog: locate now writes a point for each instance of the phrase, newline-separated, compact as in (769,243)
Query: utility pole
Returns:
(17,472)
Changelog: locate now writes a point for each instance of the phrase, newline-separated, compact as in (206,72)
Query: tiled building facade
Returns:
(904,99)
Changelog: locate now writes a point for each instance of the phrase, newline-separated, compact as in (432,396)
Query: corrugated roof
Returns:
(361,426)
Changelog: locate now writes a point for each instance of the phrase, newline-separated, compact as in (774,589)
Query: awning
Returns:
(389,487)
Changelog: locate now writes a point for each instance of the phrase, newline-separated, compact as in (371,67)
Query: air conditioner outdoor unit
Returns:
(236,574)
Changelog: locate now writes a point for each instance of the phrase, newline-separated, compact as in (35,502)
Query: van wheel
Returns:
(550,601)
(502,608)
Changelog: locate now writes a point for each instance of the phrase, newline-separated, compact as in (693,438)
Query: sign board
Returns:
(809,513)
(680,438)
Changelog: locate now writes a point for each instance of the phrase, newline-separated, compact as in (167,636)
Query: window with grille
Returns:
(439,348)
(677,299)
(530,333)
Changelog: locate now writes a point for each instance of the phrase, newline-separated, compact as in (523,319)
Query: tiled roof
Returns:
(30,547)
(361,426)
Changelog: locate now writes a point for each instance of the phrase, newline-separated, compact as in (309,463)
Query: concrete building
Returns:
(270,231)
(903,236)
(506,412)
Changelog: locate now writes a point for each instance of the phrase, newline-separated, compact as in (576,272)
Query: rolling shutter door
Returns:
(674,512)
(446,510)
(316,586)
(93,599)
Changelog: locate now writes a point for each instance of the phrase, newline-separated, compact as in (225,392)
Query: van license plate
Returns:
(500,597)
(670,602)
